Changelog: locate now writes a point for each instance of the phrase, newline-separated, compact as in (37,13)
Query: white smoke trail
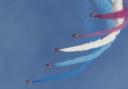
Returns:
(117,6)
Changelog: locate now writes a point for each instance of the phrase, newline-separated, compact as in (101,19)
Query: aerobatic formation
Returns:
(119,15)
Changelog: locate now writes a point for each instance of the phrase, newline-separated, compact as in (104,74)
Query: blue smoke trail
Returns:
(75,72)
(63,75)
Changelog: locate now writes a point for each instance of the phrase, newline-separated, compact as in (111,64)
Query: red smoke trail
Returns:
(100,33)
(107,31)
(115,15)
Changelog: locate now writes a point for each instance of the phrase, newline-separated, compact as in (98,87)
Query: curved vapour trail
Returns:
(98,43)
(115,15)
(93,44)
(73,73)
(104,32)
